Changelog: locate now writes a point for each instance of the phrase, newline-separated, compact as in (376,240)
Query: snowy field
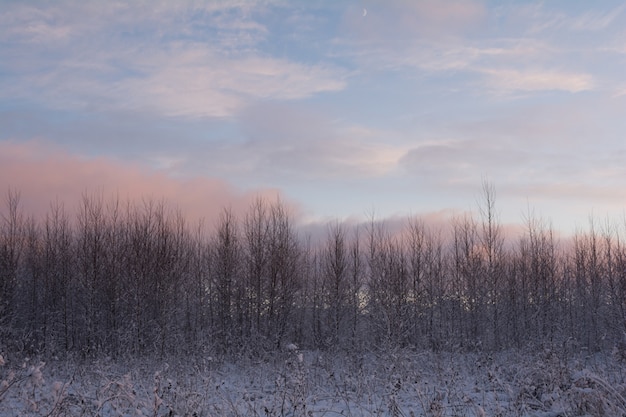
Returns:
(304,383)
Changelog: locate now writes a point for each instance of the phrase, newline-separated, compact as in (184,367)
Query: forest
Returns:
(127,279)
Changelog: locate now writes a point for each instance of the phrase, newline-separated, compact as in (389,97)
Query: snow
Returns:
(313,383)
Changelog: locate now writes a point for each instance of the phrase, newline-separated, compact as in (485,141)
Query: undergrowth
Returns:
(313,383)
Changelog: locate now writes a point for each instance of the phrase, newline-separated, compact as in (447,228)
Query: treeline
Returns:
(120,278)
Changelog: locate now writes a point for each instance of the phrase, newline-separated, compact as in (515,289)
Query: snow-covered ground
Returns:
(304,383)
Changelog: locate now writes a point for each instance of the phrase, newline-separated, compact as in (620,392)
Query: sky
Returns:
(344,109)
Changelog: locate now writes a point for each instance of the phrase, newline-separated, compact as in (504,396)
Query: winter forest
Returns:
(125,279)
(130,281)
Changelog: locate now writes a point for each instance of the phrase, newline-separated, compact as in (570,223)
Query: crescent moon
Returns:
(364,12)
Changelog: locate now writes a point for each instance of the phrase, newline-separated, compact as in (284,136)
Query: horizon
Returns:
(439,225)
(397,109)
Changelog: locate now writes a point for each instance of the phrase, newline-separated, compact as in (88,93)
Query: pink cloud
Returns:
(438,225)
(44,174)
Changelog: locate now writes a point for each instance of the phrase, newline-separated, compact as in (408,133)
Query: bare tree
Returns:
(91,267)
(272,257)
(29,314)
(388,287)
(59,277)
(468,290)
(589,287)
(336,276)
(226,277)
(256,232)
(417,257)
(196,294)
(11,245)
(134,279)
(357,269)
(492,242)
(284,283)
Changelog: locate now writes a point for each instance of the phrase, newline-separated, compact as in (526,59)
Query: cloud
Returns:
(549,175)
(502,66)
(512,80)
(195,82)
(304,142)
(459,162)
(397,20)
(188,81)
(188,59)
(478,50)
(541,18)
(581,197)
(44,174)
(471,57)
(435,16)
(514,160)
(620,91)
(340,159)
(53,23)
(398,34)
